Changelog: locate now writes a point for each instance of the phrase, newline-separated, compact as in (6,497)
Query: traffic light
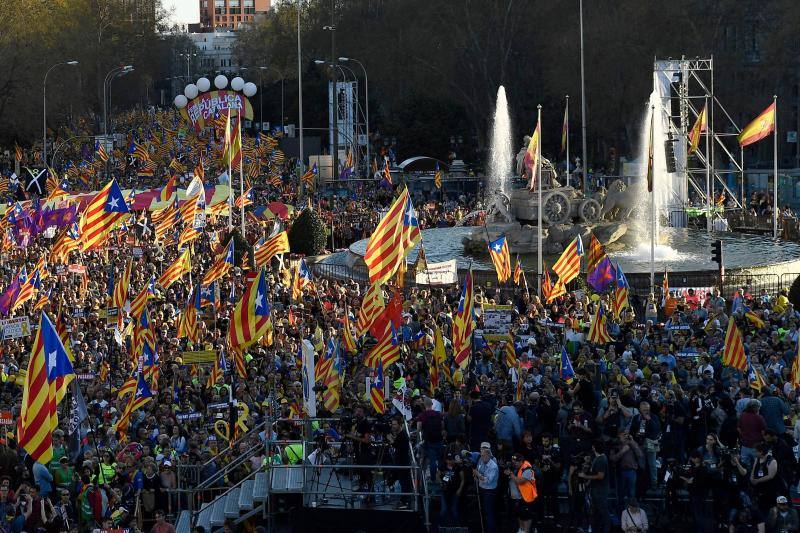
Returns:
(716,252)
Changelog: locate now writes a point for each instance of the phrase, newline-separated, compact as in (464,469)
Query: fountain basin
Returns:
(684,253)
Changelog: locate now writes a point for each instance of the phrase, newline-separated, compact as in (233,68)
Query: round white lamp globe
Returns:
(203,84)
(220,82)
(181,101)
(249,89)
(237,83)
(190,91)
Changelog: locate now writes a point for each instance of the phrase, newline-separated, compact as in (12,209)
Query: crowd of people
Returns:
(649,429)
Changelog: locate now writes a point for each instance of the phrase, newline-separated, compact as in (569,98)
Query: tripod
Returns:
(320,457)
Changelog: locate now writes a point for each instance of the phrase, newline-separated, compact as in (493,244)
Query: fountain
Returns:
(513,212)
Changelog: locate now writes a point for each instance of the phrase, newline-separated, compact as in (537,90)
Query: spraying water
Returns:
(662,185)
(501,154)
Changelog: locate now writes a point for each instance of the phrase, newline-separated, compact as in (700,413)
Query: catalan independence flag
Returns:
(347,334)
(376,395)
(567,372)
(392,240)
(302,279)
(596,253)
(182,265)
(221,266)
(698,129)
(278,244)
(463,323)
(568,265)
(49,365)
(733,353)
(100,152)
(121,287)
(187,325)
(620,301)
(795,373)
(309,178)
(501,258)
(101,216)
(245,199)
(251,316)
(598,333)
(760,127)
(437,177)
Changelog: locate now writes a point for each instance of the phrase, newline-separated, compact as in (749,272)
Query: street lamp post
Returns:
(188,56)
(583,103)
(106,82)
(261,97)
(44,107)
(300,86)
(366,97)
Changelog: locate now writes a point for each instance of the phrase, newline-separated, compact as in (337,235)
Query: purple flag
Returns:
(8,296)
(602,275)
(61,218)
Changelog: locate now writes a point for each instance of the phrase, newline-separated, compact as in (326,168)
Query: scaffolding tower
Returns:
(686,86)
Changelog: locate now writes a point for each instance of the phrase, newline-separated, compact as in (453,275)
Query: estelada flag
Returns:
(760,127)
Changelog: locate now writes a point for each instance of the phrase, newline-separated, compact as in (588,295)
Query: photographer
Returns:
(452,481)
(613,416)
(400,451)
(548,460)
(522,488)
(695,476)
(626,455)
(598,487)
(646,430)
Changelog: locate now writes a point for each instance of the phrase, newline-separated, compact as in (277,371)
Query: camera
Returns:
(382,425)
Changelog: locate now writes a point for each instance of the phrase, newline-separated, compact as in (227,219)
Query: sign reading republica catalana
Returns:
(202,109)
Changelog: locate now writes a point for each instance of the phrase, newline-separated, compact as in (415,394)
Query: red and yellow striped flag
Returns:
(279,244)
(181,266)
(762,125)
(250,318)
(698,129)
(101,216)
(122,286)
(598,334)
(733,353)
(568,265)
(392,239)
(371,308)
(501,258)
(221,266)
(596,253)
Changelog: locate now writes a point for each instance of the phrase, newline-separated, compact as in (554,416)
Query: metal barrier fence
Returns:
(639,284)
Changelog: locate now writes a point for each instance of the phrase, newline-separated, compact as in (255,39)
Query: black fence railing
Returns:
(639,284)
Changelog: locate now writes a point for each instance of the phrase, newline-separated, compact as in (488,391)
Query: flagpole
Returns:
(775,168)
(241,170)
(566,123)
(709,194)
(539,199)
(651,168)
(230,176)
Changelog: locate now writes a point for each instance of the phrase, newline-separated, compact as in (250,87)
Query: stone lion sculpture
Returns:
(619,201)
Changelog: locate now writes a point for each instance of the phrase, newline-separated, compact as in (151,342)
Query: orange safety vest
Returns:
(527,489)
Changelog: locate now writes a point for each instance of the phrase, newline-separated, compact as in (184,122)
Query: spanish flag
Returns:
(698,129)
(763,125)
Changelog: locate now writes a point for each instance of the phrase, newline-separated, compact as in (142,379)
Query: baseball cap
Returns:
(781,499)
(486,445)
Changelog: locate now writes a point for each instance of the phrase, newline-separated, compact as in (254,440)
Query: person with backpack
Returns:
(430,424)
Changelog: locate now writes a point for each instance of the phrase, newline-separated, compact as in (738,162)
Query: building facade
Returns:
(215,52)
(230,14)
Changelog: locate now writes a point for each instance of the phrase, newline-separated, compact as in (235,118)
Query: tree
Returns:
(307,235)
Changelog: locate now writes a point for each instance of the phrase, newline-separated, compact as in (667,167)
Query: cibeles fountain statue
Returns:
(566,211)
